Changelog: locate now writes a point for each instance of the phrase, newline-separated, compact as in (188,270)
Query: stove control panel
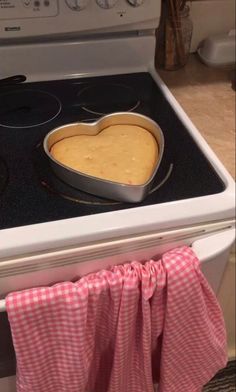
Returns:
(29,19)
(10,9)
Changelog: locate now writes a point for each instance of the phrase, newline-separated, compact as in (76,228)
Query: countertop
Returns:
(207,97)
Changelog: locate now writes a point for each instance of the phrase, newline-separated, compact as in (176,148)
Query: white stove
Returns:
(50,233)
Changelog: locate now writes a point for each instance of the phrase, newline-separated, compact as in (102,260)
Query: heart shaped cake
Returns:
(125,154)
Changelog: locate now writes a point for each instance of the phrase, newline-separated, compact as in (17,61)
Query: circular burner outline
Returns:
(111,84)
(103,202)
(165,179)
(38,124)
(104,114)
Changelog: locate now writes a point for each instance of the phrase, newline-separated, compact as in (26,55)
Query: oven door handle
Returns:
(207,249)
(210,247)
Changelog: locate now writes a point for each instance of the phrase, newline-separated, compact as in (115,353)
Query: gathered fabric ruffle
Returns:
(120,330)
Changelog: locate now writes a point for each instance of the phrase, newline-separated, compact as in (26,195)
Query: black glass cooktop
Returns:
(30,193)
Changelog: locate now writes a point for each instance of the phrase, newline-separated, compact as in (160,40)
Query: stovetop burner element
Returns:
(55,186)
(27,108)
(76,196)
(102,99)
(88,199)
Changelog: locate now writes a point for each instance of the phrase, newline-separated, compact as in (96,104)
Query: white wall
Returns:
(211,17)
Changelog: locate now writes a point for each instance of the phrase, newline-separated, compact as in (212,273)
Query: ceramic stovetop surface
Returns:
(30,193)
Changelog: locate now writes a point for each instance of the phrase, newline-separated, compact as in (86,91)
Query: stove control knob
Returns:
(106,3)
(136,3)
(26,3)
(77,5)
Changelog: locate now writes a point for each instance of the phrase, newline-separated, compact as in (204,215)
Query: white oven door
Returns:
(212,250)
(211,243)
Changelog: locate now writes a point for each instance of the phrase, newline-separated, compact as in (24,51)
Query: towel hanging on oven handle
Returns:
(204,248)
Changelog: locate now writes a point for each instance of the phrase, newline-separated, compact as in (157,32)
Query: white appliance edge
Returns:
(48,252)
(82,230)
(19,245)
(58,19)
(210,249)
(47,268)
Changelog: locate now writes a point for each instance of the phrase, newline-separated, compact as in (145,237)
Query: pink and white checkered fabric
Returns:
(120,330)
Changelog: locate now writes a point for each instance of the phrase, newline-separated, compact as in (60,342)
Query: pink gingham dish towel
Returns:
(120,330)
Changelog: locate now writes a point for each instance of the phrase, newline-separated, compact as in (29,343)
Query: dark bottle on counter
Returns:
(174,38)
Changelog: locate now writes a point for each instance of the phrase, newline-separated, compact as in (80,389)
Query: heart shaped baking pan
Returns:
(95,185)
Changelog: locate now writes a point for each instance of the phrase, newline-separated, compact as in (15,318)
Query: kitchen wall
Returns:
(211,17)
